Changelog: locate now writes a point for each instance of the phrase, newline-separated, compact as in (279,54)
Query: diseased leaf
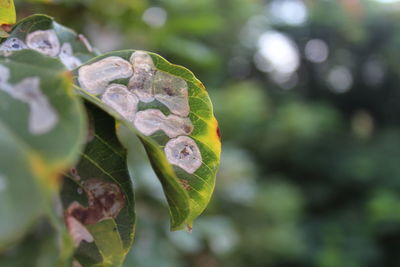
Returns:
(171,113)
(98,196)
(7,12)
(43,34)
(41,134)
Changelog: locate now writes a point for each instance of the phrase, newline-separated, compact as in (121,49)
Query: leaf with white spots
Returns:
(98,197)
(41,33)
(171,113)
(42,128)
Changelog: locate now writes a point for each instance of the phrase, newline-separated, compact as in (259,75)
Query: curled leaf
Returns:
(171,113)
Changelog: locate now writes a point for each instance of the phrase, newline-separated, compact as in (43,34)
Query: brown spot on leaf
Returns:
(74,174)
(185,184)
(188,128)
(6,27)
(169,91)
(218,133)
(105,201)
(105,197)
(77,231)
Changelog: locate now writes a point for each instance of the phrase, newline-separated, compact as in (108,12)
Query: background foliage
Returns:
(310,173)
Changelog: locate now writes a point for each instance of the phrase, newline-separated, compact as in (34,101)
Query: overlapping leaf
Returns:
(103,159)
(41,247)
(43,34)
(114,82)
(98,197)
(42,129)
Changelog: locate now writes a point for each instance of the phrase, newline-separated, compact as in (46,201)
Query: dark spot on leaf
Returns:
(186,152)
(169,91)
(46,42)
(80,213)
(74,171)
(218,133)
(185,184)
(6,27)
(187,128)
(105,201)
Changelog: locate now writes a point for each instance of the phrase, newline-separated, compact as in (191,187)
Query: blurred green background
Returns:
(307,94)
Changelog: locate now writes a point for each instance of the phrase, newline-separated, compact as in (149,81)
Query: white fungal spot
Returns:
(3,183)
(172,91)
(142,79)
(12,44)
(76,229)
(79,190)
(121,100)
(139,58)
(67,58)
(85,41)
(94,78)
(42,116)
(183,152)
(45,42)
(150,121)
(4,76)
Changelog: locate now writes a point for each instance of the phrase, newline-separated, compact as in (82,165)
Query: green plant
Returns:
(63,108)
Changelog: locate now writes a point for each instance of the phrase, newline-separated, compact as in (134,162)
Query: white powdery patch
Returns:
(94,78)
(172,91)
(121,100)
(150,121)
(42,116)
(4,76)
(12,44)
(142,79)
(67,58)
(184,153)
(45,42)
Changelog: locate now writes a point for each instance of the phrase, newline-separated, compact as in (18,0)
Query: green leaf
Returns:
(42,247)
(43,34)
(7,12)
(98,196)
(171,113)
(41,134)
